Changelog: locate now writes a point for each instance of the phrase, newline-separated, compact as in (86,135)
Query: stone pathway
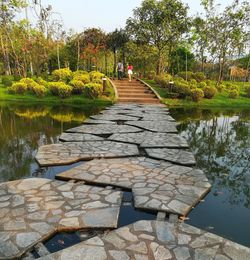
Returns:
(31,210)
(155,240)
(156,185)
(129,146)
(71,152)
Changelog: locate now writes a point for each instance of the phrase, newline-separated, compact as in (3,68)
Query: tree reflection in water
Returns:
(24,128)
(220,141)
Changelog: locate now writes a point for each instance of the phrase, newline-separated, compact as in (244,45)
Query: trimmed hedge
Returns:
(18,88)
(209,92)
(92,90)
(77,85)
(60,89)
(197,94)
(64,75)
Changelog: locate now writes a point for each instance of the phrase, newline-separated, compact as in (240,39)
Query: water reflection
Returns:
(220,141)
(24,128)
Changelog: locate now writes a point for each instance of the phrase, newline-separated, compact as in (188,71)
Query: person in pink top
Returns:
(130,71)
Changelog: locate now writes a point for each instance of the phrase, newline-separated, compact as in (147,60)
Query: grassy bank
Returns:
(50,99)
(220,99)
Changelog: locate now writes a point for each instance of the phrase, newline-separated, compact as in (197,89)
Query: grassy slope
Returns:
(220,100)
(5,96)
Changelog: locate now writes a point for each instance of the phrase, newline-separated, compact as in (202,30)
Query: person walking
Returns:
(120,70)
(130,71)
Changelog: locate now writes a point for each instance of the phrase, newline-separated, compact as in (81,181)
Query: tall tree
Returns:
(159,23)
(228,31)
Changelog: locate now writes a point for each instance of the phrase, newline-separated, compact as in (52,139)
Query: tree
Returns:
(116,40)
(228,31)
(159,23)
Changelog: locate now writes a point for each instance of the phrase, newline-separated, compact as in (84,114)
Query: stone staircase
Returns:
(134,92)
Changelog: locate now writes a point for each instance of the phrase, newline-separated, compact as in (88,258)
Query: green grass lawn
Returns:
(49,99)
(220,99)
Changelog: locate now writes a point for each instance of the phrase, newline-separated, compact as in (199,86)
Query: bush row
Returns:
(64,85)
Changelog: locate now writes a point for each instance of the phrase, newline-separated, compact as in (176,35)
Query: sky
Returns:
(105,14)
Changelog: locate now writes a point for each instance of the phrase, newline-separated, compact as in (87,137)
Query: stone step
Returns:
(131,88)
(135,91)
(135,95)
(139,100)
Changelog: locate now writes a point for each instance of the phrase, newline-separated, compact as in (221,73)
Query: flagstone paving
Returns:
(103,129)
(156,185)
(155,240)
(115,117)
(155,126)
(149,139)
(95,121)
(33,209)
(71,152)
(78,137)
(177,156)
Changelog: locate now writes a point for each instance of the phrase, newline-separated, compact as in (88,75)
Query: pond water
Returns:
(219,139)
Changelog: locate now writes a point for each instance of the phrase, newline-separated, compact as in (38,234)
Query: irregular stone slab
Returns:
(161,241)
(49,207)
(94,121)
(66,153)
(115,117)
(148,139)
(103,129)
(156,185)
(78,137)
(177,156)
(155,126)
(157,117)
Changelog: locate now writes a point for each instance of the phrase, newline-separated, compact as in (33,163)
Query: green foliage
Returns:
(163,80)
(42,82)
(220,87)
(199,76)
(182,88)
(64,75)
(233,93)
(29,82)
(183,74)
(7,81)
(39,90)
(202,84)
(77,85)
(79,72)
(209,92)
(192,83)
(151,74)
(94,75)
(18,88)
(247,90)
(84,78)
(232,87)
(17,77)
(197,94)
(92,90)
(60,89)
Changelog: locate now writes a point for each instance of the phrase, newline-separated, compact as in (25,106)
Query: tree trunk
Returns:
(115,62)
(221,70)
(6,60)
(58,56)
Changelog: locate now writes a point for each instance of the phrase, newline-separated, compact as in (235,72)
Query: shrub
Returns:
(79,72)
(17,77)
(151,74)
(39,90)
(232,87)
(30,82)
(92,90)
(209,92)
(18,88)
(60,89)
(182,88)
(220,87)
(62,75)
(163,80)
(183,74)
(202,84)
(233,93)
(77,85)
(197,94)
(192,84)
(247,90)
(41,81)
(7,81)
(83,77)
(95,75)
(199,76)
